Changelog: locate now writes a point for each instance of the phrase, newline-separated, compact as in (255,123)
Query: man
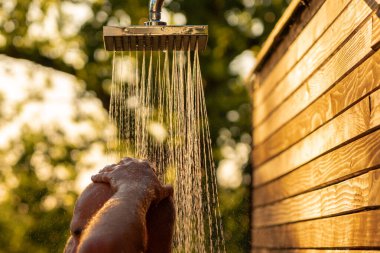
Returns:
(125,209)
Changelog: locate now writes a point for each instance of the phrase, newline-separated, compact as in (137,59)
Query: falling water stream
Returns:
(158,108)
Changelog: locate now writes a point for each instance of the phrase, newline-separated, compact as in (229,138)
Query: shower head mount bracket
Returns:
(155,7)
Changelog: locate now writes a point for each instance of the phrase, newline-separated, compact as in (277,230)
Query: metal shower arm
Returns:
(155,7)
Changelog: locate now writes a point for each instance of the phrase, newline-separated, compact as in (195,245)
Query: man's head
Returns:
(88,203)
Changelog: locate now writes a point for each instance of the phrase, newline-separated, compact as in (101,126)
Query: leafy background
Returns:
(54,95)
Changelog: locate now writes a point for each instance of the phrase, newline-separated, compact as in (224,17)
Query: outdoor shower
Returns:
(159,109)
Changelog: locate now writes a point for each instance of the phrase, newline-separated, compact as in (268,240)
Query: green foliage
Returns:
(76,47)
(29,223)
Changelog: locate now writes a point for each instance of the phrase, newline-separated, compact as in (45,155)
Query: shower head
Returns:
(155,38)
(155,35)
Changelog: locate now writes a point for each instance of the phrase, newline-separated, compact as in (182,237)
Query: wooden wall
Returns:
(316,129)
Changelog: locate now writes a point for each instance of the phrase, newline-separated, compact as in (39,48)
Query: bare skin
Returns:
(126,209)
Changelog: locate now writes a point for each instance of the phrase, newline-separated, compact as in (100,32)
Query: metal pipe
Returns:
(155,7)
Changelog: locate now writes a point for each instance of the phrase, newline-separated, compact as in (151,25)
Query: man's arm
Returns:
(120,225)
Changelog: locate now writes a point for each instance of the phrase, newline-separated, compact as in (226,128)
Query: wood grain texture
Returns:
(333,37)
(360,82)
(376,30)
(261,250)
(275,69)
(359,155)
(347,196)
(316,137)
(313,30)
(299,21)
(278,28)
(346,231)
(350,55)
(346,126)
(375,109)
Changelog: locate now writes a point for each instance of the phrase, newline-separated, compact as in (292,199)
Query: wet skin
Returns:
(153,231)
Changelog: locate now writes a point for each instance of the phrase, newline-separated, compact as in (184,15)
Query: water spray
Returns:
(159,109)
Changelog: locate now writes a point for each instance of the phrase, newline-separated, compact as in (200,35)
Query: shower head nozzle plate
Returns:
(155,38)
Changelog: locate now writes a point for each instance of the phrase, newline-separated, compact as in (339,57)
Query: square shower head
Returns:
(155,38)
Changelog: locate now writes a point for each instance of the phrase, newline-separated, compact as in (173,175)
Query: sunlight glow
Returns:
(243,64)
(132,102)
(123,66)
(235,158)
(257,27)
(248,3)
(228,174)
(78,13)
(36,99)
(158,131)
(179,19)
(49,203)
(3,193)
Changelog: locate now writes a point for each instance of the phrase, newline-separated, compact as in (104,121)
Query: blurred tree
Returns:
(67,35)
(50,127)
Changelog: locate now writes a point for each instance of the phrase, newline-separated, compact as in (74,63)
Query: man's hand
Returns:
(137,176)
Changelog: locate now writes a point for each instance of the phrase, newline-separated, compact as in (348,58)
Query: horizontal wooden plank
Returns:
(261,250)
(355,193)
(361,154)
(349,56)
(299,23)
(375,109)
(346,231)
(344,25)
(275,33)
(353,87)
(328,12)
(346,126)
(376,30)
